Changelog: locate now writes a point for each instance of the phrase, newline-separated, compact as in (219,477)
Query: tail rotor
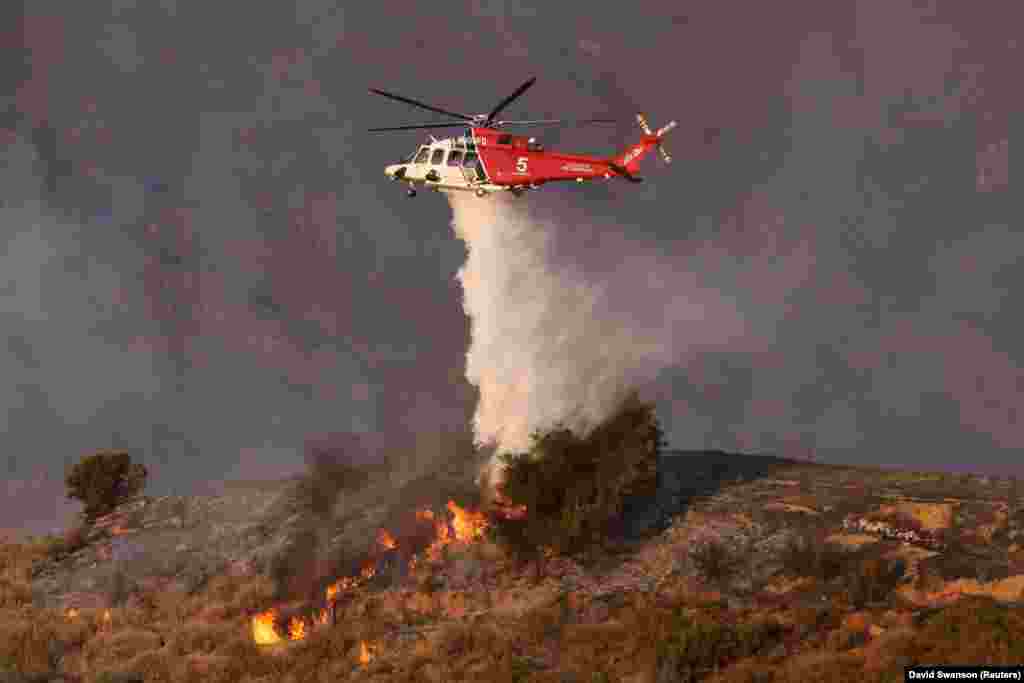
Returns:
(646,128)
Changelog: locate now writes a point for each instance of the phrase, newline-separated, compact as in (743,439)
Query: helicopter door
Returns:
(452,169)
(472,169)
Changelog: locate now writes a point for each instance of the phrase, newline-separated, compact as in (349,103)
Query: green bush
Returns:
(715,563)
(873,580)
(810,556)
(119,677)
(572,486)
(976,630)
(696,646)
(103,480)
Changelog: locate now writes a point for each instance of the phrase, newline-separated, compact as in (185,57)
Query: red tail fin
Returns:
(630,158)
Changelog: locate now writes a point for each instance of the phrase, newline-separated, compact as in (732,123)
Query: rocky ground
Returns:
(751,503)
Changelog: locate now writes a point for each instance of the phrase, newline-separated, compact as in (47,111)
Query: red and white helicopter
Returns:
(485,160)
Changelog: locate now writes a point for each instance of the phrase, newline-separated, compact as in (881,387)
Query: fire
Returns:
(469,526)
(296,629)
(71,613)
(364,653)
(118,530)
(263,628)
(466,526)
(387,540)
(459,526)
(106,615)
(264,633)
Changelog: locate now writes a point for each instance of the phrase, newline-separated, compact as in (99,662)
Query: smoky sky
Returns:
(202,261)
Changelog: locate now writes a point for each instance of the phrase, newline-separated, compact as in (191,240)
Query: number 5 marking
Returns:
(521,165)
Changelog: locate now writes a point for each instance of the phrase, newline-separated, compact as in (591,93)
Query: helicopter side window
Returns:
(469,160)
(505,140)
(421,158)
(437,157)
(454,158)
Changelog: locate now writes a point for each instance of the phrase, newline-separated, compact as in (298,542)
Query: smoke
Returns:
(551,345)
(337,463)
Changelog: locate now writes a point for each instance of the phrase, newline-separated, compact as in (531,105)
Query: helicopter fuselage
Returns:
(487,160)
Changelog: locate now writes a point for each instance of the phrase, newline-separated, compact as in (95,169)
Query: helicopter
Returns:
(486,160)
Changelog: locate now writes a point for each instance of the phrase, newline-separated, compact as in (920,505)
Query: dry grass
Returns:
(516,632)
(931,516)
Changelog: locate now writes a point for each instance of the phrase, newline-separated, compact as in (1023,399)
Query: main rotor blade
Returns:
(420,104)
(508,100)
(443,124)
(547,122)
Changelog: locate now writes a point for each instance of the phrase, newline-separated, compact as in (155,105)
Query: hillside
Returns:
(740,566)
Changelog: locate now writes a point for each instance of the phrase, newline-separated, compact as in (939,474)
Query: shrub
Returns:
(572,487)
(960,561)
(715,562)
(696,646)
(975,630)
(119,677)
(103,480)
(873,580)
(808,555)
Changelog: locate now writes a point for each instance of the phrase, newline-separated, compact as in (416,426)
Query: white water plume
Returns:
(547,345)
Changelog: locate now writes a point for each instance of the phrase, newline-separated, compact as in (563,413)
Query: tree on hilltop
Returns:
(103,480)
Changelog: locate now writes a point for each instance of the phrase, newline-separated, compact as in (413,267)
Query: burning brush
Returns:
(459,526)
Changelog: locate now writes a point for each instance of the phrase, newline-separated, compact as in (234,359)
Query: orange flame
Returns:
(466,526)
(263,628)
(386,540)
(118,530)
(71,613)
(469,526)
(106,615)
(296,629)
(364,653)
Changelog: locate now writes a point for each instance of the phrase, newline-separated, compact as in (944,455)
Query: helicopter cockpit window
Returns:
(505,140)
(454,158)
(534,146)
(421,158)
(437,157)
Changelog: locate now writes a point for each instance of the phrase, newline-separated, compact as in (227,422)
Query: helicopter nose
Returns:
(396,171)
